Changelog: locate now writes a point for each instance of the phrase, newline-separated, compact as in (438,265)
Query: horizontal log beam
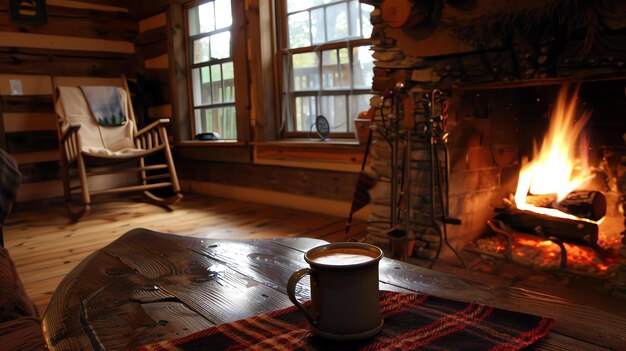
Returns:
(27,104)
(65,62)
(89,26)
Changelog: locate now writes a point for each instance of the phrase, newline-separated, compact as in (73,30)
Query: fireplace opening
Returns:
(566,212)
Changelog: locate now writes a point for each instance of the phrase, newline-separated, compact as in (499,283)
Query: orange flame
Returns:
(554,168)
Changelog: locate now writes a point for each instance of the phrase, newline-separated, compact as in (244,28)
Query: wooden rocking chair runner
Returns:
(89,149)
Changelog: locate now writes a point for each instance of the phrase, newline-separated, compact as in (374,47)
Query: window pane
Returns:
(317,26)
(201,50)
(336,68)
(334,108)
(297,5)
(201,81)
(224,16)
(337,22)
(228,74)
(354,17)
(213,84)
(221,120)
(363,67)
(305,71)
(305,111)
(366,25)
(299,30)
(220,46)
(216,83)
(358,104)
(202,19)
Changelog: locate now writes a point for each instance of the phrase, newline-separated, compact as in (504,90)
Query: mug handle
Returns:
(291,292)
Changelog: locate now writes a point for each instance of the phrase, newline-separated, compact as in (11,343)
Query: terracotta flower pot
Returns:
(362,129)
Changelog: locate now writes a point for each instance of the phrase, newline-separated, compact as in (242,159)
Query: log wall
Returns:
(138,38)
(78,40)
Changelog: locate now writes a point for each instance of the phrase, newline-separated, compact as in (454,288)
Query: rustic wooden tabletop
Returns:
(148,286)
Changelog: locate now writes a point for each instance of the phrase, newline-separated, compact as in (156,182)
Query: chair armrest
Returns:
(72,129)
(155,124)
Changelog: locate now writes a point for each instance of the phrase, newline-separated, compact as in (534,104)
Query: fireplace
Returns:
(588,242)
(480,85)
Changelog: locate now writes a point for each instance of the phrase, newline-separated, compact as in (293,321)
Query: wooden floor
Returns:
(45,245)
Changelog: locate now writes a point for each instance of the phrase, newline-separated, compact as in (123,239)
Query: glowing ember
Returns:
(537,252)
(554,168)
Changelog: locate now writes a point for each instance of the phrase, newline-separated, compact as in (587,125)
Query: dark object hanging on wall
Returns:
(28,11)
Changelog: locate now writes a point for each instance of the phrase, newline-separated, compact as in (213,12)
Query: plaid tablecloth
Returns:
(411,322)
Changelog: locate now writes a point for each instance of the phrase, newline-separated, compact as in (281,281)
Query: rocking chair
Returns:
(91,148)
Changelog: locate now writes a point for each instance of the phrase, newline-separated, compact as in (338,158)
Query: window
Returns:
(327,64)
(212,68)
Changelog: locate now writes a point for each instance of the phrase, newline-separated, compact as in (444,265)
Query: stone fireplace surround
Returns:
(500,64)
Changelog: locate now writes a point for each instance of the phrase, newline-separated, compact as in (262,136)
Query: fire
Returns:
(554,169)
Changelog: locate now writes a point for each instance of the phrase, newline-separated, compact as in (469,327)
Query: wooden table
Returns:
(148,286)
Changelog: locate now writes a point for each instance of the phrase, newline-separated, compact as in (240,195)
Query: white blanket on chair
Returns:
(72,107)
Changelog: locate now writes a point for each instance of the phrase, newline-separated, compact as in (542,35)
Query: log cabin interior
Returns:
(479,139)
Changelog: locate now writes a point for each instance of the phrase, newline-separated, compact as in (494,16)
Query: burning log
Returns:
(580,203)
(580,232)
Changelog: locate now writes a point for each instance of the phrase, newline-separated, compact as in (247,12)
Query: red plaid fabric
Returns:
(412,322)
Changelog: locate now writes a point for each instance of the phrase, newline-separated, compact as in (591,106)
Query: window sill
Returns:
(337,155)
(210,143)
(299,142)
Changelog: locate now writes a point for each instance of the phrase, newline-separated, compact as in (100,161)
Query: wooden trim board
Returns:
(85,5)
(27,121)
(161,111)
(275,198)
(57,42)
(36,156)
(158,62)
(153,22)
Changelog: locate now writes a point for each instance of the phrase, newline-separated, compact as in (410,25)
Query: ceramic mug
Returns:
(345,300)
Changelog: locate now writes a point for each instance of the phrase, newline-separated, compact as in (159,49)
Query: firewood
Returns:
(585,204)
(580,203)
(568,230)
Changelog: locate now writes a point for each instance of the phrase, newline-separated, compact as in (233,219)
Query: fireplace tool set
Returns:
(400,128)
(436,111)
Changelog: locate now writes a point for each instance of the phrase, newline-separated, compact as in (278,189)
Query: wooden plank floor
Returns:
(45,245)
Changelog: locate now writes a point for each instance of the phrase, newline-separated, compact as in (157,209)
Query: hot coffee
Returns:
(345,301)
(343,256)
